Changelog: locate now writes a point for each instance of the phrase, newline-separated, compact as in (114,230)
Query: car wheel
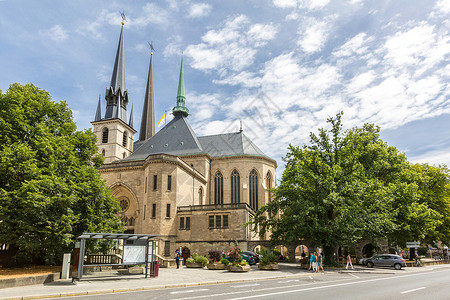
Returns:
(370,264)
(398,266)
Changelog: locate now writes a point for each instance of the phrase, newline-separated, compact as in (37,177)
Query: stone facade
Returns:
(150,204)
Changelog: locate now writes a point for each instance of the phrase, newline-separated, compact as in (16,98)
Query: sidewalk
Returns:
(111,282)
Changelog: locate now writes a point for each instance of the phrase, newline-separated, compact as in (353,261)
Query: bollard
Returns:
(65,266)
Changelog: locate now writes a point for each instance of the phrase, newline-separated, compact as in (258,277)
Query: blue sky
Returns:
(280,66)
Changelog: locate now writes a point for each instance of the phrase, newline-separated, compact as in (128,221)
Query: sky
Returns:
(281,67)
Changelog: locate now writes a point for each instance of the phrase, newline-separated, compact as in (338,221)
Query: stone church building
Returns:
(193,191)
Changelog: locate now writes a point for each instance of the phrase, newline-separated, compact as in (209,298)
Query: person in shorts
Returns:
(320,262)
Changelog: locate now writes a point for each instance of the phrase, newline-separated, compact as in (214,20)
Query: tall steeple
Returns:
(148,113)
(116,95)
(98,113)
(181,109)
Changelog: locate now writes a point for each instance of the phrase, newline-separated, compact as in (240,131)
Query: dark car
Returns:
(385,260)
(252,254)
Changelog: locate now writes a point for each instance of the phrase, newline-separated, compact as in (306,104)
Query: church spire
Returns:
(181,109)
(130,123)
(148,113)
(98,113)
(116,95)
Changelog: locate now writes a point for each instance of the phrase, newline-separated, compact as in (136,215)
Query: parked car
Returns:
(250,260)
(385,260)
(255,256)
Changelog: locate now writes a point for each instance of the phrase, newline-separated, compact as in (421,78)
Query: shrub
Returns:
(190,260)
(235,253)
(225,261)
(268,257)
(201,260)
(214,255)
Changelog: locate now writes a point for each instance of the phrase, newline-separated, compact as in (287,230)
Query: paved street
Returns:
(414,283)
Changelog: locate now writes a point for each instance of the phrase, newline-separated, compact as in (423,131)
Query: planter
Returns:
(239,268)
(193,265)
(216,266)
(269,267)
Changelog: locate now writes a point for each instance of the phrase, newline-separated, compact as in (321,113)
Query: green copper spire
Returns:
(181,109)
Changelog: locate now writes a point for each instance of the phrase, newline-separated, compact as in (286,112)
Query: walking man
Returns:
(349,262)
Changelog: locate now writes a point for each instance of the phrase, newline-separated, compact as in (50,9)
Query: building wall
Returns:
(135,181)
(244,165)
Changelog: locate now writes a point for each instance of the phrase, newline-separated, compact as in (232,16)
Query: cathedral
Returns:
(192,191)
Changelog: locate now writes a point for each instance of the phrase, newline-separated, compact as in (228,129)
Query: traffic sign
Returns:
(412,244)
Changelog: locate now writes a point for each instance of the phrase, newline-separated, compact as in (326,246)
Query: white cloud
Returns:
(57,33)
(313,35)
(436,157)
(356,45)
(285,3)
(150,14)
(199,10)
(309,4)
(443,6)
(231,47)
(173,46)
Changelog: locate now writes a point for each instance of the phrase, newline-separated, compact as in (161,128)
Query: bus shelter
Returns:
(137,249)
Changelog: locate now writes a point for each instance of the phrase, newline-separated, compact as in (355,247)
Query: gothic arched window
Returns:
(269,185)
(235,187)
(253,189)
(124,141)
(105,135)
(218,188)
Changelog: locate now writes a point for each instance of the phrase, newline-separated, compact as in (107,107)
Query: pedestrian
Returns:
(177,258)
(311,257)
(314,262)
(320,262)
(349,262)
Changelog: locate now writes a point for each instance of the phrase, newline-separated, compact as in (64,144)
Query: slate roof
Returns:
(229,144)
(178,138)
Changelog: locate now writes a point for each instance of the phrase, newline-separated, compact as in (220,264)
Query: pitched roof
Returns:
(176,138)
(229,144)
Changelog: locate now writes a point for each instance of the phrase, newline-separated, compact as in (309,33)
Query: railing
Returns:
(166,263)
(225,206)
(99,259)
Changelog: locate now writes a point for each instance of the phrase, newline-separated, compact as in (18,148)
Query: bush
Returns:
(214,255)
(268,257)
(201,260)
(235,253)
(225,261)
(190,260)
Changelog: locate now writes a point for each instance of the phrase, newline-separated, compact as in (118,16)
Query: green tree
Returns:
(50,191)
(425,215)
(343,187)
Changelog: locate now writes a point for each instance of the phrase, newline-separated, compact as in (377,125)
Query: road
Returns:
(430,284)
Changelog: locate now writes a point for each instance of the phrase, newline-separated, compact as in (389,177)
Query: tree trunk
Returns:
(329,256)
